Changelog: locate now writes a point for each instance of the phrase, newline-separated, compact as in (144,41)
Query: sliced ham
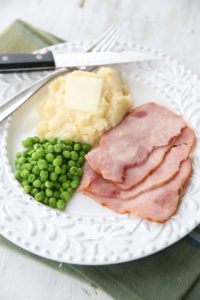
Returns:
(92,159)
(132,175)
(157,205)
(168,169)
(87,178)
(164,173)
(147,127)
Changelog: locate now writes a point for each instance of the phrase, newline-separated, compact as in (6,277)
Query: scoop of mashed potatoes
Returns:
(55,120)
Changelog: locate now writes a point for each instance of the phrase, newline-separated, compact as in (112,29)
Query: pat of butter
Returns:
(83,93)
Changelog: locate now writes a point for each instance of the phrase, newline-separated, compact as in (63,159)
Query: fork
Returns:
(104,43)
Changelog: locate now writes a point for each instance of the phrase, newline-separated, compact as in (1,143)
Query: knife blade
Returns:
(14,62)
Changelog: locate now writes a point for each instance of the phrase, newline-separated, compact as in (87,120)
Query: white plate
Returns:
(86,233)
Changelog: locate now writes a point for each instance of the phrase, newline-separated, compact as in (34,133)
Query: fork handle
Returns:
(15,62)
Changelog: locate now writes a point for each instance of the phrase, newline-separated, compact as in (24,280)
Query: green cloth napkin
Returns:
(171,274)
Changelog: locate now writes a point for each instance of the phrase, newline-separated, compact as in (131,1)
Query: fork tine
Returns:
(105,41)
(108,46)
(98,40)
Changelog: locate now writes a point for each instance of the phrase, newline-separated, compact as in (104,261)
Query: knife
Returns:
(14,62)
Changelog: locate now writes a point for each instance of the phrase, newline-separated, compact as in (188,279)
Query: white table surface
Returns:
(167,25)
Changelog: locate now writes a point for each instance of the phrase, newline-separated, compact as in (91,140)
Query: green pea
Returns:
(50,149)
(46,145)
(69,176)
(18,155)
(21,160)
(58,170)
(71,163)
(37,183)
(42,140)
(66,154)
(39,153)
(69,142)
(77,147)
(36,170)
(27,166)
(57,161)
(34,156)
(53,176)
(46,200)
(57,185)
(27,189)
(65,196)
(34,191)
(48,193)
(54,141)
(39,196)
(30,152)
(31,178)
(64,169)
(58,148)
(52,202)
(81,161)
(43,186)
(33,162)
(35,139)
(74,155)
(37,146)
(73,170)
(61,189)
(74,184)
(56,194)
(42,164)
(62,178)
(80,172)
(17,174)
(25,153)
(49,157)
(49,184)
(69,148)
(24,182)
(82,153)
(60,204)
(71,190)
(44,175)
(24,173)
(50,168)
(18,167)
(66,184)
(28,142)
(86,147)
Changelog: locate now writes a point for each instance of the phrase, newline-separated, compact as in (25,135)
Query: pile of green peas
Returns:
(50,170)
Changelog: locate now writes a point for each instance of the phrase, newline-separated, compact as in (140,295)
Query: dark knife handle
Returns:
(14,62)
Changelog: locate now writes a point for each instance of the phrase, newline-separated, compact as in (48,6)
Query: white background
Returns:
(171,26)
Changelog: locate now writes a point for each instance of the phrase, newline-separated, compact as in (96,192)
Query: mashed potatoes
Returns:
(81,126)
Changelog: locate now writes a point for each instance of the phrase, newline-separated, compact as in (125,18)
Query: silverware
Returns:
(51,60)
(103,43)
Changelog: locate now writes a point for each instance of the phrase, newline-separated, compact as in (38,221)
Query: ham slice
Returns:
(87,178)
(168,169)
(147,127)
(92,159)
(164,173)
(157,205)
(133,175)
